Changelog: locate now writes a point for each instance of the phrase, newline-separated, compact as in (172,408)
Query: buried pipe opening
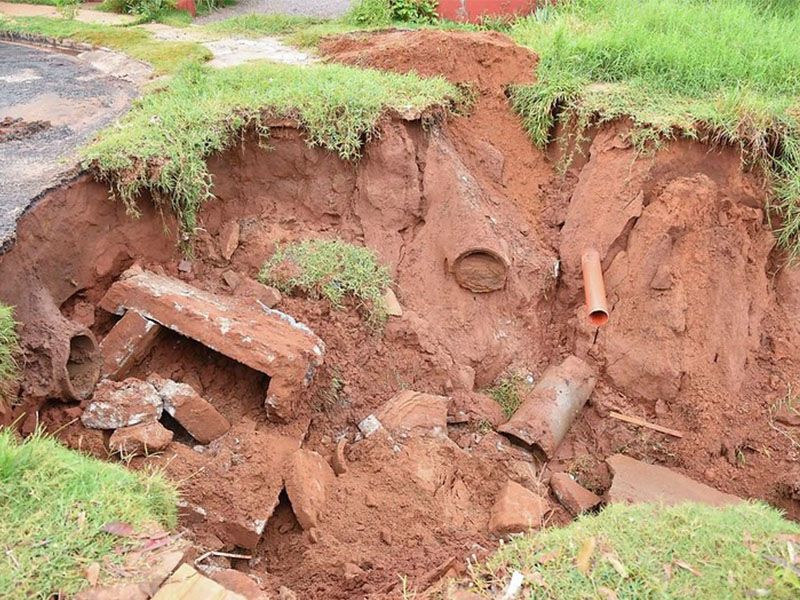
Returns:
(594,288)
(83,365)
(480,270)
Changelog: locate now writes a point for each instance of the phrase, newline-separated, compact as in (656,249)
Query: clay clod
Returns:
(635,481)
(307,481)
(572,495)
(547,412)
(141,439)
(414,412)
(517,509)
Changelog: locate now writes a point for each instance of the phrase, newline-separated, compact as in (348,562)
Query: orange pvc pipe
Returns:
(594,288)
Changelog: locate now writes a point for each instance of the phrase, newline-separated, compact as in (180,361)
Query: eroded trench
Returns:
(484,240)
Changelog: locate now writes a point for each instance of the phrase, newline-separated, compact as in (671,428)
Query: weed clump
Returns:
(646,551)
(9,349)
(55,502)
(331,269)
(507,392)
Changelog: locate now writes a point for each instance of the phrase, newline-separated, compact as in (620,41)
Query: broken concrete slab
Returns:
(187,584)
(243,329)
(140,439)
(238,582)
(126,344)
(517,509)
(198,416)
(122,404)
(307,481)
(635,481)
(409,412)
(572,495)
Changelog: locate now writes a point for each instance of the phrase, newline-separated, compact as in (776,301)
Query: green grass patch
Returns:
(643,551)
(330,269)
(721,71)
(9,349)
(161,146)
(256,25)
(54,503)
(165,57)
(507,392)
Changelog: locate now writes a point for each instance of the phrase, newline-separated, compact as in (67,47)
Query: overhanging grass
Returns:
(9,348)
(688,551)
(161,145)
(165,57)
(331,269)
(724,71)
(54,503)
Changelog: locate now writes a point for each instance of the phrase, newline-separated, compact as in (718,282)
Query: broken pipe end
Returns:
(594,287)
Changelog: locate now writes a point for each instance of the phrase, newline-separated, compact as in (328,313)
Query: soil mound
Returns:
(490,60)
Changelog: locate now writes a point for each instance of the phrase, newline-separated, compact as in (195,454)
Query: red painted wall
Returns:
(473,10)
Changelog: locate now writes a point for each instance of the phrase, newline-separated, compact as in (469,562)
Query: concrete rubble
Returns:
(122,404)
(414,413)
(141,439)
(572,495)
(635,481)
(127,343)
(242,329)
(199,417)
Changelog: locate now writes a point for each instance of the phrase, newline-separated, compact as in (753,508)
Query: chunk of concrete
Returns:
(241,328)
(413,412)
(517,509)
(187,584)
(199,417)
(127,343)
(239,582)
(122,404)
(635,481)
(307,481)
(141,439)
(572,495)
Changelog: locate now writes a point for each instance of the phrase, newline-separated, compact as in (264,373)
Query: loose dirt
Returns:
(701,336)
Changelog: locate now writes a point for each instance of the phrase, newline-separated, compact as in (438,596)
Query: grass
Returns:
(161,146)
(644,551)
(330,269)
(256,25)
(9,349)
(722,71)
(54,503)
(165,57)
(507,392)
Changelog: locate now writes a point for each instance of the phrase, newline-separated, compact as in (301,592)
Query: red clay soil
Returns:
(702,335)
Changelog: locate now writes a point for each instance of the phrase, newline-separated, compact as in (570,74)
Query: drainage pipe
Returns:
(594,288)
(546,414)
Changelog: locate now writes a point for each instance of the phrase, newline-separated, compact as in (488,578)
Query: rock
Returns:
(390,303)
(414,412)
(129,591)
(84,313)
(185,266)
(285,593)
(307,480)
(516,510)
(122,404)
(229,239)
(338,460)
(250,288)
(238,582)
(787,416)
(574,497)
(474,407)
(351,571)
(245,533)
(203,422)
(127,343)
(232,279)
(190,514)
(635,481)
(140,439)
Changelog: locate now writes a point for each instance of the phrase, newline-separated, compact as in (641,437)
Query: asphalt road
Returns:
(70,99)
(309,8)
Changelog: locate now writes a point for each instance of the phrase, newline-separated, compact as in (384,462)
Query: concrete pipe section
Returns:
(51,103)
